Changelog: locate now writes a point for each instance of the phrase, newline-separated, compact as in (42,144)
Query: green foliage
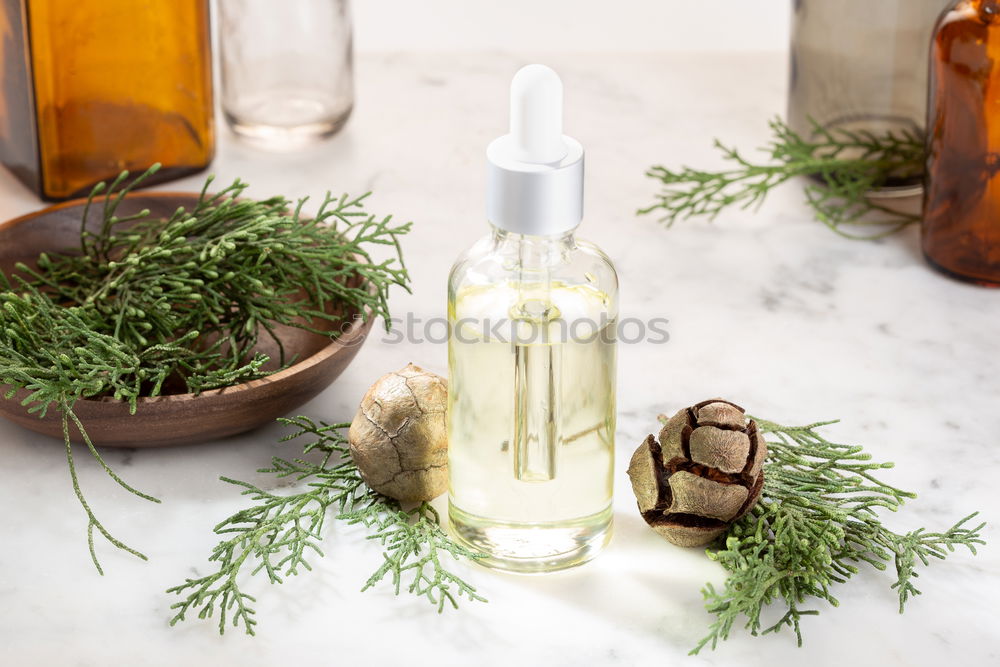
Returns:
(276,533)
(151,306)
(815,524)
(845,167)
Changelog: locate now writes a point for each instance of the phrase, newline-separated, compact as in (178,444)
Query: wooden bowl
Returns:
(179,418)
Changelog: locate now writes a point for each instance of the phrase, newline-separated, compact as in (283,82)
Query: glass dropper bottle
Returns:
(532,315)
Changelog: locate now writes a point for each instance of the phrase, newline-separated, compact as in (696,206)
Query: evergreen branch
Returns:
(920,545)
(52,354)
(92,521)
(846,166)
(414,544)
(276,533)
(815,523)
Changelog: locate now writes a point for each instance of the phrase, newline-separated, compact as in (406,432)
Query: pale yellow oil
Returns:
(531,423)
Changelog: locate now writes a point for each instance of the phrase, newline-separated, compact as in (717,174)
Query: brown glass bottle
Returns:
(961,229)
(92,88)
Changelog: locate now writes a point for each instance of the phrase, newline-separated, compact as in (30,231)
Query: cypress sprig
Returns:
(815,524)
(845,167)
(276,533)
(151,306)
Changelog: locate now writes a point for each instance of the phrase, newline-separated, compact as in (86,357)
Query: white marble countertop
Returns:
(770,310)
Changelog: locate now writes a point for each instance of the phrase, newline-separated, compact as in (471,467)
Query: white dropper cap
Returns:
(535,173)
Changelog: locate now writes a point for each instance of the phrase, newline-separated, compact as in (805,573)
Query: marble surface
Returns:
(770,310)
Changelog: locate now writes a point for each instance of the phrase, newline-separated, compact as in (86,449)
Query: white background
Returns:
(571,25)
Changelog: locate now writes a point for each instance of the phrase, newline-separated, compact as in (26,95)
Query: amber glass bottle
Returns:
(961,229)
(91,88)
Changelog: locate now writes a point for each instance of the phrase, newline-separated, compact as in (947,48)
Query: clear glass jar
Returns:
(287,69)
(861,65)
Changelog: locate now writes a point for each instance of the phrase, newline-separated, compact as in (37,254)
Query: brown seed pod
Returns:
(704,472)
(399,436)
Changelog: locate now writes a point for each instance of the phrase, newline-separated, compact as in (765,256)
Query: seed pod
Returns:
(399,436)
(704,472)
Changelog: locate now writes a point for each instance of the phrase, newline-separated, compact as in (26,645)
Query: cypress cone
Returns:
(704,472)
(399,436)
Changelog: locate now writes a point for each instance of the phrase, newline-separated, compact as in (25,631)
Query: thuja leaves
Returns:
(229,269)
(277,533)
(845,167)
(149,306)
(817,522)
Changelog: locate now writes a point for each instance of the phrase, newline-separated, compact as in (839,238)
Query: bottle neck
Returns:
(534,244)
(533,250)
